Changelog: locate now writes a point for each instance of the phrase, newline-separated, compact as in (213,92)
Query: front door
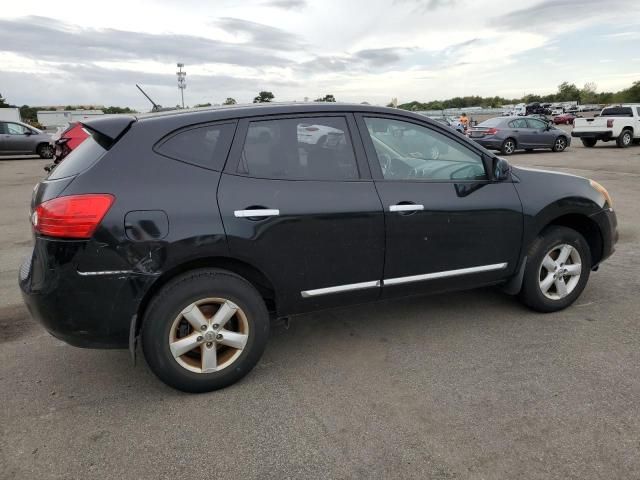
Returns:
(298,203)
(538,134)
(448,225)
(18,139)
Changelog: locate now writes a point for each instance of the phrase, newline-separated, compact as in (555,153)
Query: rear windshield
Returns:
(617,112)
(81,158)
(492,122)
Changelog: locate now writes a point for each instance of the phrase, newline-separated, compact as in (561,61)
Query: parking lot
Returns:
(462,385)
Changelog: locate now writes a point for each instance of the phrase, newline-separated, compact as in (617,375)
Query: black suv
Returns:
(190,230)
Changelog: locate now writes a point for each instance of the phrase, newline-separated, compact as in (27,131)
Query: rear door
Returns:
(448,225)
(298,203)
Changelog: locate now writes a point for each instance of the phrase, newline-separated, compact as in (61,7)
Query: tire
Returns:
(45,150)
(201,295)
(508,146)
(625,139)
(589,142)
(559,144)
(550,243)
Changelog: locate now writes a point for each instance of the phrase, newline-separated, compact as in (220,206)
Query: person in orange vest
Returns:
(464,120)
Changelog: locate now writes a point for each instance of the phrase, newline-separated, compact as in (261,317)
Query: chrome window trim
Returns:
(340,288)
(105,272)
(445,274)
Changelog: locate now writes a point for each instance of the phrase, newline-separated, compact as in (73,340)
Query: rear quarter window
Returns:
(203,145)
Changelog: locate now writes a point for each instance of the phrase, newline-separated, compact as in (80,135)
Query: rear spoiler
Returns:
(109,129)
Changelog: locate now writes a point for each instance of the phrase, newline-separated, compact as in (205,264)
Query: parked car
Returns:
(189,230)
(565,118)
(617,122)
(17,138)
(537,108)
(65,142)
(509,134)
(450,122)
(557,111)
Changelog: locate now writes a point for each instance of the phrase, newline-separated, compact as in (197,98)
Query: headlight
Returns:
(599,188)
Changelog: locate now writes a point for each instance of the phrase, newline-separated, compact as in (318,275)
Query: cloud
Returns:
(428,5)
(560,13)
(47,39)
(259,34)
(381,56)
(286,4)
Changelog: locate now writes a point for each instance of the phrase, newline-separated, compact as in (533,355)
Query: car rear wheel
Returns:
(589,142)
(45,150)
(557,269)
(508,146)
(560,144)
(204,330)
(625,139)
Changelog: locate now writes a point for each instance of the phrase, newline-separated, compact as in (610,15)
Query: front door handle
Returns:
(256,212)
(406,207)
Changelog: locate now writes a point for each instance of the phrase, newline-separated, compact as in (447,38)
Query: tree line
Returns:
(567,92)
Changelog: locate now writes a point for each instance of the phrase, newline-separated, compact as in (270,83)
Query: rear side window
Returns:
(205,146)
(313,148)
(519,123)
(81,158)
(617,112)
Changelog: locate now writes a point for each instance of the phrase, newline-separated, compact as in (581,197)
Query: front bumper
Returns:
(91,311)
(597,135)
(608,223)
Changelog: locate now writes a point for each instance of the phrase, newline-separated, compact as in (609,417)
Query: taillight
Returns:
(491,131)
(610,123)
(74,216)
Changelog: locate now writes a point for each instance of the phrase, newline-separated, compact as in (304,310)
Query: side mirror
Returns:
(501,169)
(28,132)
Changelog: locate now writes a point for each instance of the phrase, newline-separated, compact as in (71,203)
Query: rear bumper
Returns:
(596,135)
(488,142)
(91,311)
(608,223)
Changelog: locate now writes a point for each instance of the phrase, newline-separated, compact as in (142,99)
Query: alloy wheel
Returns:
(560,144)
(208,335)
(560,271)
(509,147)
(626,138)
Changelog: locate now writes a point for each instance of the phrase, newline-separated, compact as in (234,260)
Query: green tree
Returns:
(589,94)
(326,98)
(568,92)
(118,110)
(264,97)
(229,101)
(3,102)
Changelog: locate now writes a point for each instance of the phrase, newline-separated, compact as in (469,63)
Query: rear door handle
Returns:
(406,207)
(258,212)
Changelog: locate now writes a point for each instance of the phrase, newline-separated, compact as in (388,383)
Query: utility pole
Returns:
(182,81)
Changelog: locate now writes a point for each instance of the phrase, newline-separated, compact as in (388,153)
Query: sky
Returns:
(357,50)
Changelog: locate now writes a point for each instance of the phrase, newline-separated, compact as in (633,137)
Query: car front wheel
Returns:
(204,330)
(557,269)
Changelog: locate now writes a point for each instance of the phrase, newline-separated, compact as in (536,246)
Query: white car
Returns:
(319,135)
(616,122)
(557,111)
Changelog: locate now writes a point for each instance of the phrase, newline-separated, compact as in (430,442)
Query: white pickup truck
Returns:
(616,122)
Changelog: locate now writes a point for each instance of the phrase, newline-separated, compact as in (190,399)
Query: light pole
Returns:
(182,81)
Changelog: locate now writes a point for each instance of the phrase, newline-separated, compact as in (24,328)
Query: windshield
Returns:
(492,122)
(80,159)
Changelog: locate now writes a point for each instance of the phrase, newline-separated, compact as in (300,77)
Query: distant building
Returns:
(61,118)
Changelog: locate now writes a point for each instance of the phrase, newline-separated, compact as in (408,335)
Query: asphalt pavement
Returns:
(456,386)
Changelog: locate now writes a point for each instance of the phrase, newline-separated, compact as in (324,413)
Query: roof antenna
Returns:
(156,107)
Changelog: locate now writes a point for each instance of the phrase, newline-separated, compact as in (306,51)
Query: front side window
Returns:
(16,129)
(537,124)
(313,148)
(206,146)
(408,151)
